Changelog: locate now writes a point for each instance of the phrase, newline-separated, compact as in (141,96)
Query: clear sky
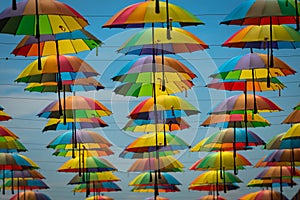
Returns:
(23,106)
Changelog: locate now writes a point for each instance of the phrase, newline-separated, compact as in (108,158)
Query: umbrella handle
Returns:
(297,16)
(157,7)
(14,4)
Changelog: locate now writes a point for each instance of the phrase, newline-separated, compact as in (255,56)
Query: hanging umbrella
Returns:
(28,194)
(277,172)
(139,14)
(89,164)
(69,150)
(70,123)
(3,115)
(213,177)
(136,155)
(235,120)
(147,143)
(25,184)
(164,164)
(145,179)
(159,188)
(272,182)
(213,187)
(171,124)
(181,41)
(293,117)
(292,133)
(277,143)
(28,173)
(6,132)
(99,197)
(237,103)
(16,162)
(211,197)
(40,17)
(97,187)
(9,145)
(264,194)
(94,177)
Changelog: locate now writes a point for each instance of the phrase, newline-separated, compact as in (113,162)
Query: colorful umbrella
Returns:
(164,164)
(139,14)
(6,132)
(237,103)
(97,187)
(181,41)
(69,150)
(271,182)
(293,117)
(171,124)
(25,184)
(28,173)
(70,123)
(277,143)
(145,179)
(28,194)
(147,143)
(213,187)
(213,177)
(16,162)
(3,115)
(159,188)
(134,155)
(232,120)
(10,145)
(292,133)
(61,43)
(99,197)
(264,194)
(277,172)
(94,177)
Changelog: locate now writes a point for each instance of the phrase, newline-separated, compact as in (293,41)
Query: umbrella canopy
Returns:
(97,187)
(171,124)
(221,160)
(271,182)
(160,188)
(90,164)
(277,143)
(16,162)
(172,105)
(6,132)
(283,37)
(137,15)
(240,68)
(28,173)
(82,137)
(225,139)
(141,70)
(212,177)
(25,184)
(141,155)
(262,12)
(147,89)
(28,194)
(147,143)
(211,197)
(70,123)
(8,144)
(277,172)
(69,150)
(71,68)
(214,187)
(235,120)
(181,41)
(292,133)
(99,197)
(3,115)
(67,43)
(293,117)
(82,84)
(164,164)
(281,157)
(237,103)
(264,194)
(94,177)
(53,17)
(147,178)
(259,85)
(75,106)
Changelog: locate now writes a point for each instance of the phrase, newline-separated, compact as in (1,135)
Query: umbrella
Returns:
(3,115)
(172,105)
(67,43)
(235,120)
(181,41)
(6,132)
(25,184)
(237,103)
(9,145)
(277,172)
(82,150)
(277,143)
(159,188)
(145,179)
(70,123)
(292,133)
(211,197)
(213,187)
(272,182)
(28,173)
(171,124)
(94,177)
(97,187)
(30,195)
(164,164)
(99,197)
(134,155)
(293,117)
(147,143)
(16,162)
(264,194)
(139,14)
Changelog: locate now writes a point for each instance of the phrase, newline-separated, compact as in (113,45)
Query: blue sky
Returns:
(23,106)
